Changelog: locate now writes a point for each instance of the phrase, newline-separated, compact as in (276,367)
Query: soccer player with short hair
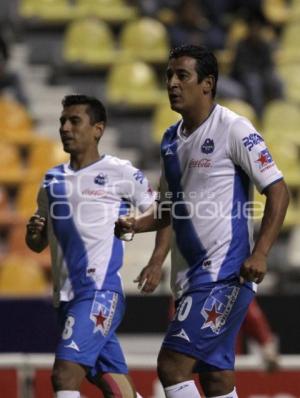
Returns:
(210,161)
(78,204)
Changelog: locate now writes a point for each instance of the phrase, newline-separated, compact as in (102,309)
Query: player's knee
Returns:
(168,371)
(217,383)
(63,378)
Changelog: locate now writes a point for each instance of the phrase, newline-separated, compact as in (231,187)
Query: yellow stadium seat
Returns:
(241,108)
(259,202)
(44,154)
(287,159)
(290,36)
(290,74)
(89,41)
(48,10)
(26,200)
(289,45)
(237,31)
(295,10)
(277,11)
(15,123)
(21,276)
(163,118)
(281,121)
(144,39)
(8,216)
(133,85)
(11,170)
(112,11)
(16,245)
(27,8)
(292,217)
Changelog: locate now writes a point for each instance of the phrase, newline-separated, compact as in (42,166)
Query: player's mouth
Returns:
(174,98)
(66,140)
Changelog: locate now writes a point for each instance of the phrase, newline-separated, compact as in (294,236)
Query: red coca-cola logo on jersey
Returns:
(200,163)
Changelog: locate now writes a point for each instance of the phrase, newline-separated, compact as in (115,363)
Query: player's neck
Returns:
(195,117)
(82,160)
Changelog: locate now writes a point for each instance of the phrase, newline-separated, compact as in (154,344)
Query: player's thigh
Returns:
(67,375)
(111,359)
(89,324)
(174,367)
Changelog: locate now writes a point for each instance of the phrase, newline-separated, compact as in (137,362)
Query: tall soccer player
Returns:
(78,204)
(210,160)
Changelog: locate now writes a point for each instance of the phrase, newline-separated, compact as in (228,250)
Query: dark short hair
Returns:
(95,108)
(207,63)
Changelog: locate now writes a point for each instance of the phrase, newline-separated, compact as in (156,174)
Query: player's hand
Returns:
(124,225)
(36,226)
(254,268)
(150,277)
(270,355)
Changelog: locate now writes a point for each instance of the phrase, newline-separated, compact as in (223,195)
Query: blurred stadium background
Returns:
(117,50)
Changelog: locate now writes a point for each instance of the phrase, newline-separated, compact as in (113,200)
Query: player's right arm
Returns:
(150,276)
(36,229)
(36,233)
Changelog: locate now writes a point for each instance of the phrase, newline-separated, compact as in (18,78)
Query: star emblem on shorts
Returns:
(211,316)
(100,319)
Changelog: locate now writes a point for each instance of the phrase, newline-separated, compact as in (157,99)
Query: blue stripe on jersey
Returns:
(72,246)
(239,248)
(112,280)
(187,239)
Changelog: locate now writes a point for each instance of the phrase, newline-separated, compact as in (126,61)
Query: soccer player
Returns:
(78,204)
(209,161)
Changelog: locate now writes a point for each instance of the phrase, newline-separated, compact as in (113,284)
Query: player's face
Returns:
(185,92)
(77,133)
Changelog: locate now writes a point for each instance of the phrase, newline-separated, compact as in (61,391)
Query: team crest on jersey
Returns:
(139,176)
(265,160)
(218,306)
(103,310)
(101,179)
(208,146)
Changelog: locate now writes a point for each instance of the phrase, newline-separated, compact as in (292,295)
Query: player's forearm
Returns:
(275,210)
(162,245)
(151,220)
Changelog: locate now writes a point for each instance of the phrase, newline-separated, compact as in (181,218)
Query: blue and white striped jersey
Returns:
(207,180)
(81,208)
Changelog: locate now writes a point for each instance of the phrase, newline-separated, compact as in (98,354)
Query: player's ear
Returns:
(99,130)
(208,84)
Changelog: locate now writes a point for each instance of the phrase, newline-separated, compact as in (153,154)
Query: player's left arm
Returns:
(255,267)
(137,189)
(249,151)
(150,276)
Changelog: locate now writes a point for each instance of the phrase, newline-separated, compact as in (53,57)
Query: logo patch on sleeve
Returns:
(265,160)
(251,140)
